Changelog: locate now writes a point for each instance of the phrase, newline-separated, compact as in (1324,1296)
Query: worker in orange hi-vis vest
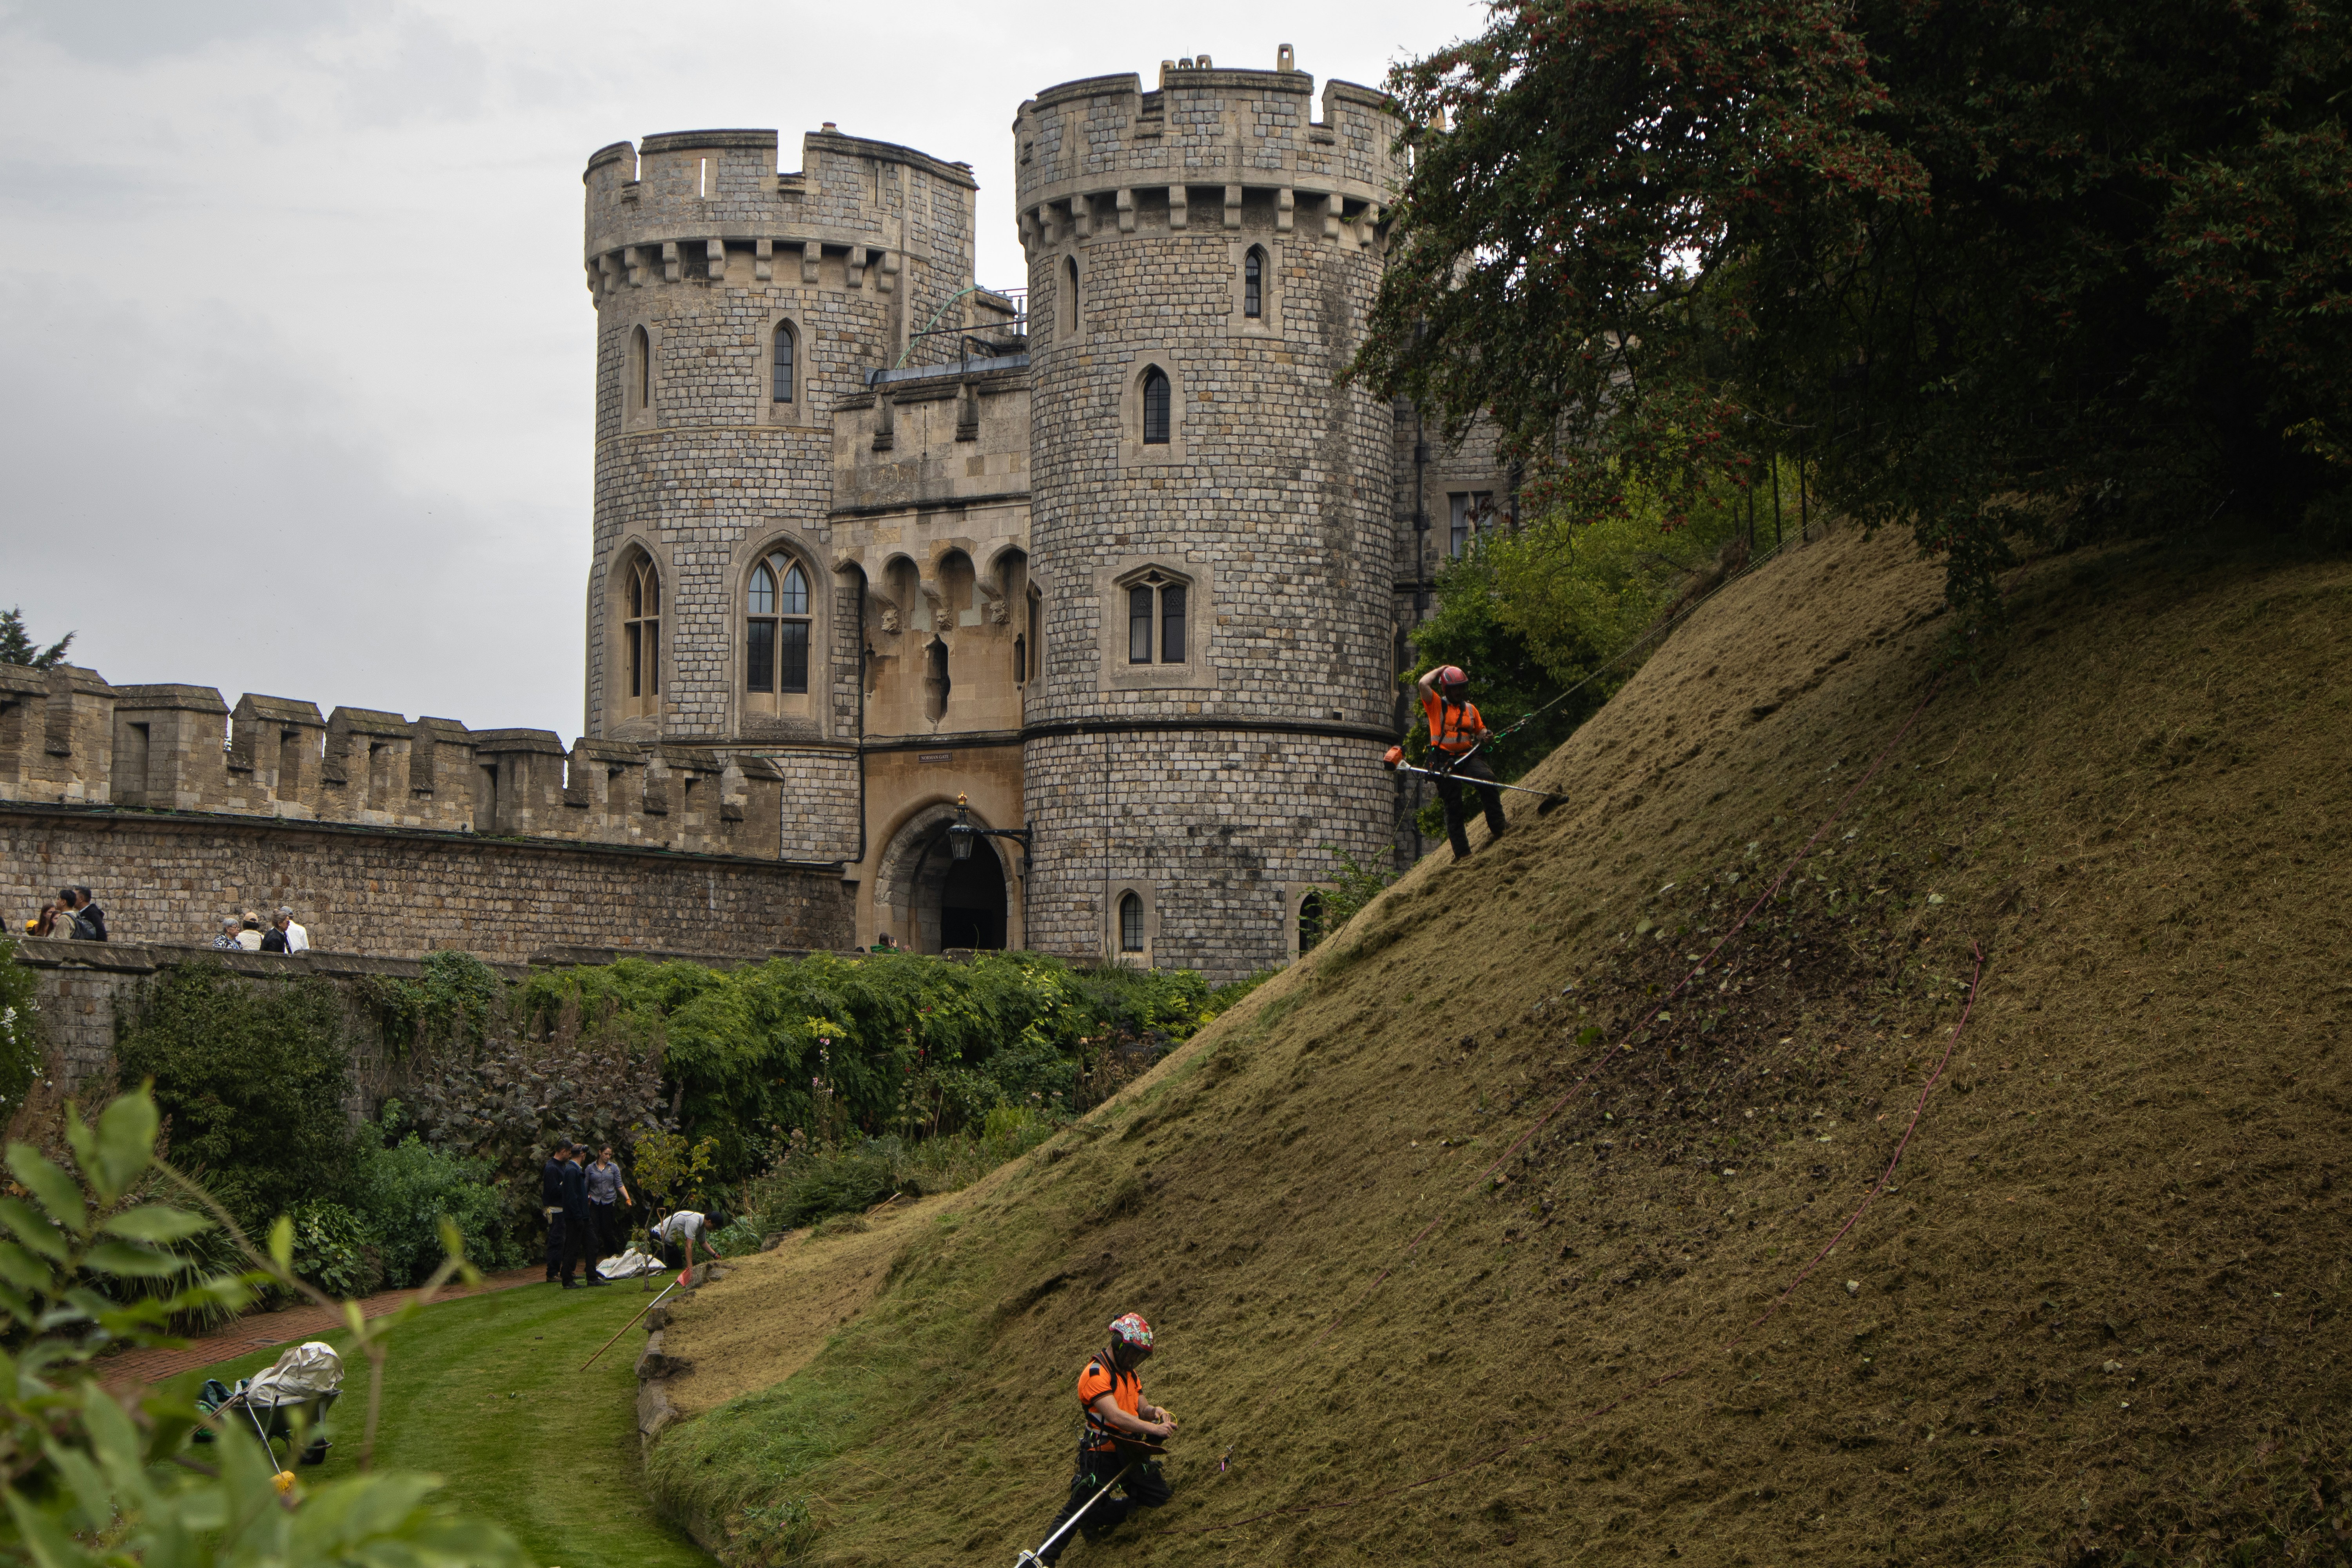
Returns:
(1119,1437)
(1456,732)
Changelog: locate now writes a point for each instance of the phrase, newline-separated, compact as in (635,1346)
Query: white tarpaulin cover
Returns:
(309,1369)
(629,1265)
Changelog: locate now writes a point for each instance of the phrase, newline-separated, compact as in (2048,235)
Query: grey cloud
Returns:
(133,32)
(202,514)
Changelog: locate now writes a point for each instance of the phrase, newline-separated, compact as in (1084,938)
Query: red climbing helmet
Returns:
(1130,1328)
(1452,675)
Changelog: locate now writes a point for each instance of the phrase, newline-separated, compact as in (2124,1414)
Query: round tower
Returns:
(1210,530)
(736,307)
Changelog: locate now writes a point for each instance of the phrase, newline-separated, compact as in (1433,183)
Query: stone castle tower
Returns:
(1120,563)
(1210,515)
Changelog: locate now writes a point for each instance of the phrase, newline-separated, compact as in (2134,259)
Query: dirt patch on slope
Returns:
(2096,1315)
(774,1311)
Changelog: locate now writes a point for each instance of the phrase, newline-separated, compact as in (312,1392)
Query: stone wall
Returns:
(1233,760)
(88,989)
(699,243)
(167,877)
(68,737)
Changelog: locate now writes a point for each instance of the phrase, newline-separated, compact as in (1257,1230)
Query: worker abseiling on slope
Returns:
(1116,1421)
(1456,732)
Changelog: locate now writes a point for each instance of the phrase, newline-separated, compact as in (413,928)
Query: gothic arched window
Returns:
(1310,923)
(786,361)
(1130,923)
(640,371)
(641,636)
(1155,407)
(776,628)
(1253,283)
(1066,314)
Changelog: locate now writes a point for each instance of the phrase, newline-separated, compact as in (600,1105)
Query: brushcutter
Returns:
(1396,764)
(1036,1559)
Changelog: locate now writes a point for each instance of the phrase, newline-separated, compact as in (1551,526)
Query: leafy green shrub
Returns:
(735,1240)
(254,1076)
(332,1250)
(455,1004)
(88,1483)
(406,1190)
(20,1030)
(870,1047)
(831,1182)
(821,1183)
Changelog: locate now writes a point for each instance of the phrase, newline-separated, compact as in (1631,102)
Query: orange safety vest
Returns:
(1453,727)
(1125,1388)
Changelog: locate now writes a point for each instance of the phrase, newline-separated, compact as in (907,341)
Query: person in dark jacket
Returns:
(550,1203)
(579,1222)
(89,916)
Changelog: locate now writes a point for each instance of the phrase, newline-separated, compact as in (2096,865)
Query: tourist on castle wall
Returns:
(56,919)
(298,939)
(273,939)
(248,931)
(226,942)
(89,920)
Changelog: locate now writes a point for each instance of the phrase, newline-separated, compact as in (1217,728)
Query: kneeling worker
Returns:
(1456,730)
(1112,1398)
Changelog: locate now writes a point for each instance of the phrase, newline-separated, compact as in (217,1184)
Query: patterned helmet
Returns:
(1131,1328)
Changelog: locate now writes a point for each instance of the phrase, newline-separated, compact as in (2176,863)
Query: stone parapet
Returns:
(170,878)
(1102,153)
(69,738)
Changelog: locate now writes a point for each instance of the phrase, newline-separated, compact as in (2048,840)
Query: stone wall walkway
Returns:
(258,1330)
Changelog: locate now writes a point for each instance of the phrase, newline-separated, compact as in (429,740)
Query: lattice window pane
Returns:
(763,592)
(793,639)
(1172,625)
(783,365)
(1138,625)
(759,657)
(1155,407)
(797,590)
(1130,923)
(1254,284)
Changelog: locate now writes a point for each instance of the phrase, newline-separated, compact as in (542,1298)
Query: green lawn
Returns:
(487,1393)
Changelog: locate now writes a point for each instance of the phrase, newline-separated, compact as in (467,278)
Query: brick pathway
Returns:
(258,1330)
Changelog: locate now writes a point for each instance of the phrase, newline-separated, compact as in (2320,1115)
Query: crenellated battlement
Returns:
(679,206)
(1103,155)
(68,736)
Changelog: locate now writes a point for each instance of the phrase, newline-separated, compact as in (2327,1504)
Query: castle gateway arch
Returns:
(930,901)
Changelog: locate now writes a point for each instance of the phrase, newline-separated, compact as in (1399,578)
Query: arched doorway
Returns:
(971,902)
(933,901)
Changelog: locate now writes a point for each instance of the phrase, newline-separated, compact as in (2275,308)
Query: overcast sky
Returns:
(297,352)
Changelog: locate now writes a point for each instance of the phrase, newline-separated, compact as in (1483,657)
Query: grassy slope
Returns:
(2134,807)
(486,1392)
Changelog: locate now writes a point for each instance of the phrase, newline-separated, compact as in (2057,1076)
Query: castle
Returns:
(1113,557)
(1109,566)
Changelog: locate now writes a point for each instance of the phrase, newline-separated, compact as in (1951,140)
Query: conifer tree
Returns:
(16,644)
